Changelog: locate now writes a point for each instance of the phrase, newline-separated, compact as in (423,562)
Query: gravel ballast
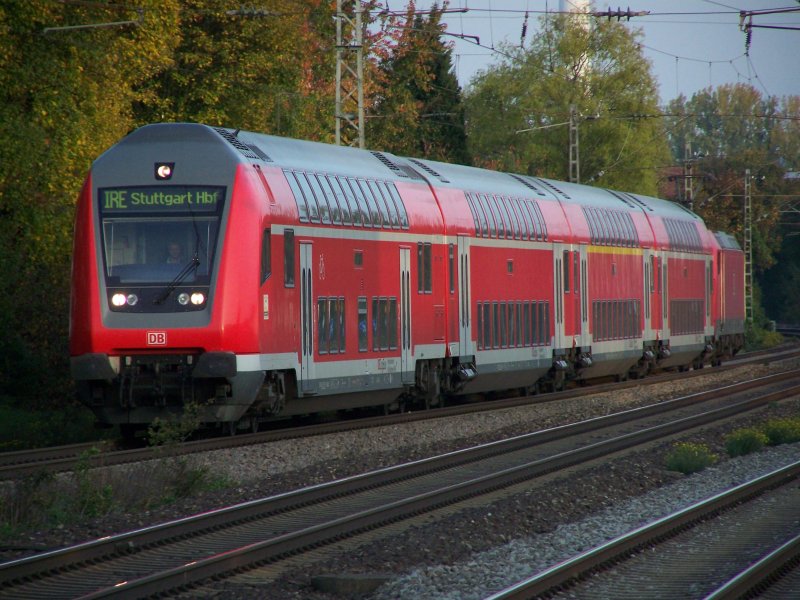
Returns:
(425,561)
(488,572)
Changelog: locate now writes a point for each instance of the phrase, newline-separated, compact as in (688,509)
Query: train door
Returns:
(559,255)
(648,289)
(582,289)
(663,292)
(306,319)
(656,287)
(406,365)
(465,347)
(709,293)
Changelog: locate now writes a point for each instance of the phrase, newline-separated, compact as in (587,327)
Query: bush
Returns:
(745,441)
(22,428)
(688,458)
(783,431)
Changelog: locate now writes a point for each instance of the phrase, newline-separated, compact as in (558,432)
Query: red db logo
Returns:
(156,338)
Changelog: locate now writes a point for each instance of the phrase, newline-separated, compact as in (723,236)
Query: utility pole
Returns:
(748,249)
(349,74)
(688,191)
(574,150)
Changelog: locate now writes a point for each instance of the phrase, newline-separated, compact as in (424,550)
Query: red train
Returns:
(257,276)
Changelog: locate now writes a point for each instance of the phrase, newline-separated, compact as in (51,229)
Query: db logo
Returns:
(156,338)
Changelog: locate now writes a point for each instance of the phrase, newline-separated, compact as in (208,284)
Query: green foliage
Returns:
(730,129)
(782,431)
(93,498)
(45,501)
(272,73)
(745,441)
(26,503)
(600,70)
(22,428)
(419,110)
(688,458)
(168,433)
(782,281)
(758,337)
(65,96)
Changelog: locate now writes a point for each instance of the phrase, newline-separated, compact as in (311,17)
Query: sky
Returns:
(691,44)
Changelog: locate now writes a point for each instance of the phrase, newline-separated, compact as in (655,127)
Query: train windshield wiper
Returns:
(190,267)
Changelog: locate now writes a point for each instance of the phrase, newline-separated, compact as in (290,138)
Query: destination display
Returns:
(178,198)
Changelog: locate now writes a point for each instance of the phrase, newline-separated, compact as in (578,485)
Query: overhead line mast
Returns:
(349,74)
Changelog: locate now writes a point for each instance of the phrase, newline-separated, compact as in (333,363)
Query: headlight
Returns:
(198,298)
(118,300)
(132,299)
(183,298)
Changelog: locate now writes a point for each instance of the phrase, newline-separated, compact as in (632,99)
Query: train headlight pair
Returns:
(123,299)
(196,298)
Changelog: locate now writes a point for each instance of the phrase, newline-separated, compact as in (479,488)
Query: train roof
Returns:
(486,181)
(219,149)
(307,155)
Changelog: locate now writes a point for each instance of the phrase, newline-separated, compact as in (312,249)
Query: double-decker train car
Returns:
(253,276)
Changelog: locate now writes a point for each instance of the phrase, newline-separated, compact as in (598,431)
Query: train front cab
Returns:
(146,336)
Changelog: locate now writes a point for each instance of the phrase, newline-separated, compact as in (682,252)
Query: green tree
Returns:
(269,69)
(597,67)
(418,109)
(728,130)
(65,96)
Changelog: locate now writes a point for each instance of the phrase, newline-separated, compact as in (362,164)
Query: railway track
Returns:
(14,465)
(184,553)
(710,550)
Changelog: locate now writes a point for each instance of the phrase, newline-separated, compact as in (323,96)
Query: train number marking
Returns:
(156,338)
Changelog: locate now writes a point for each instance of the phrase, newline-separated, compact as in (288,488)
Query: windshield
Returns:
(151,236)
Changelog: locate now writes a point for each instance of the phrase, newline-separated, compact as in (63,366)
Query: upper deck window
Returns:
(610,227)
(347,201)
(505,217)
(683,235)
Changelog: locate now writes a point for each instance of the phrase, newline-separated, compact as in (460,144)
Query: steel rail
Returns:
(323,533)
(66,458)
(581,566)
(758,576)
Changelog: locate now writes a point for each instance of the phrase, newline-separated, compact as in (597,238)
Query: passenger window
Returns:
(362,324)
(489,215)
(311,202)
(398,202)
(333,201)
(376,193)
(390,204)
(300,200)
(424,268)
(266,256)
(374,214)
(363,207)
(288,258)
(483,222)
(322,201)
(322,323)
(498,217)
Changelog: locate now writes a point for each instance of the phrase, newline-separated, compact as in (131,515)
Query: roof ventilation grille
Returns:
(527,183)
(428,170)
(388,162)
(554,188)
(261,154)
(237,143)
